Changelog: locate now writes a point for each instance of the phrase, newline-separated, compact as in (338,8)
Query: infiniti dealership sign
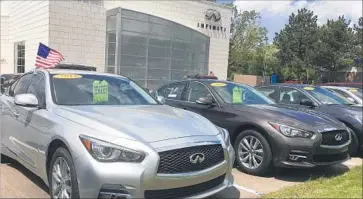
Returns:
(213,21)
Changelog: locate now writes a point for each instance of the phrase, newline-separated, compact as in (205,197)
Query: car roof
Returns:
(290,85)
(339,87)
(85,72)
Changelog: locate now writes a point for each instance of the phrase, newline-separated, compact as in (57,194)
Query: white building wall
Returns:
(6,56)
(29,22)
(189,13)
(78,31)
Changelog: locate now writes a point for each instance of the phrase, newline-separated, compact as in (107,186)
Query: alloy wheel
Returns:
(250,152)
(61,179)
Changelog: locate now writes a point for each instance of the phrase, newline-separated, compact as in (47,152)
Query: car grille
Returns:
(329,138)
(178,160)
(183,192)
(330,158)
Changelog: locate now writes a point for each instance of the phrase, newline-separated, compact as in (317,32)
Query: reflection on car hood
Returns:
(301,118)
(144,123)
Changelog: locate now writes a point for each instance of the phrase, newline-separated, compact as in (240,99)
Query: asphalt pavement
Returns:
(18,182)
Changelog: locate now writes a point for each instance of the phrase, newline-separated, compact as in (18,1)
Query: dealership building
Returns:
(152,42)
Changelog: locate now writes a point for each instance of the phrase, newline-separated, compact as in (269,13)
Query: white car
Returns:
(352,94)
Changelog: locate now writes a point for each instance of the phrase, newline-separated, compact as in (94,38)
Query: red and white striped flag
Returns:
(47,57)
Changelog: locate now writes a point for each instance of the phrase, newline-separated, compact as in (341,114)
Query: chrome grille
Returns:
(178,160)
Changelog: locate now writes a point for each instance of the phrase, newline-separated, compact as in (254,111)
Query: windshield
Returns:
(92,89)
(233,93)
(356,91)
(325,96)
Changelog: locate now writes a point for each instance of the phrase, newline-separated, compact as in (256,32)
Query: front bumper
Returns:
(306,153)
(133,180)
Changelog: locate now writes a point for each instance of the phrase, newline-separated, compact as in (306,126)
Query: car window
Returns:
(197,90)
(37,88)
(356,91)
(325,96)
(291,96)
(271,92)
(172,91)
(343,94)
(22,85)
(239,94)
(97,89)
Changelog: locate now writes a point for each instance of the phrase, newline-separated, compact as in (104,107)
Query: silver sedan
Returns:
(95,135)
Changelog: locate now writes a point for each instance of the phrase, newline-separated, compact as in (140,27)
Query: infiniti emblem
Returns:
(197,158)
(338,137)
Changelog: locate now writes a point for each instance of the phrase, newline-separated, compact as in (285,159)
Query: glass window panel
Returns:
(132,61)
(154,51)
(161,30)
(158,74)
(182,65)
(199,47)
(111,23)
(155,84)
(140,82)
(111,60)
(20,54)
(199,38)
(111,36)
(158,63)
(135,26)
(181,32)
(133,49)
(134,15)
(160,21)
(198,57)
(133,73)
(177,75)
(110,69)
(159,41)
(133,37)
(180,54)
(181,44)
(111,48)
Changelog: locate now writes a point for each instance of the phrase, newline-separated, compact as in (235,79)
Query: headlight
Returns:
(107,152)
(225,135)
(291,131)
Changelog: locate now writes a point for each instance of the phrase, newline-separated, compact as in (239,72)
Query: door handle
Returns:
(15,114)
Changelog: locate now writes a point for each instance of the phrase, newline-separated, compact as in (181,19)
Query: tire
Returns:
(59,156)
(354,148)
(265,162)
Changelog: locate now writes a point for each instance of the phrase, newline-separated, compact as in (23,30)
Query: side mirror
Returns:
(161,99)
(204,101)
(307,102)
(28,100)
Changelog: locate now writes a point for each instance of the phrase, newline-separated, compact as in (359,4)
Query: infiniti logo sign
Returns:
(213,14)
(338,137)
(197,158)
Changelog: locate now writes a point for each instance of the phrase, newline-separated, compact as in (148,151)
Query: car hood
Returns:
(297,117)
(149,123)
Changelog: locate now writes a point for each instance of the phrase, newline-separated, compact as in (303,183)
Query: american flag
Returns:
(47,57)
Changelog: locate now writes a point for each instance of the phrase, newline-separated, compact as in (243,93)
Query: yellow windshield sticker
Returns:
(309,88)
(237,95)
(218,84)
(67,76)
(100,91)
(353,90)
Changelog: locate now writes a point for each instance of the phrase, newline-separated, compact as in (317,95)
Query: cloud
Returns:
(275,13)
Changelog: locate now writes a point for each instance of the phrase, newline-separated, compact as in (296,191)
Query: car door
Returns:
(11,121)
(172,93)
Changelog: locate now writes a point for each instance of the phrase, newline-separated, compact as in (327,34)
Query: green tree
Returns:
(297,44)
(336,45)
(246,40)
(358,41)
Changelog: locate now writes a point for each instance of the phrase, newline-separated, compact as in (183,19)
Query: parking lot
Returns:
(18,182)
